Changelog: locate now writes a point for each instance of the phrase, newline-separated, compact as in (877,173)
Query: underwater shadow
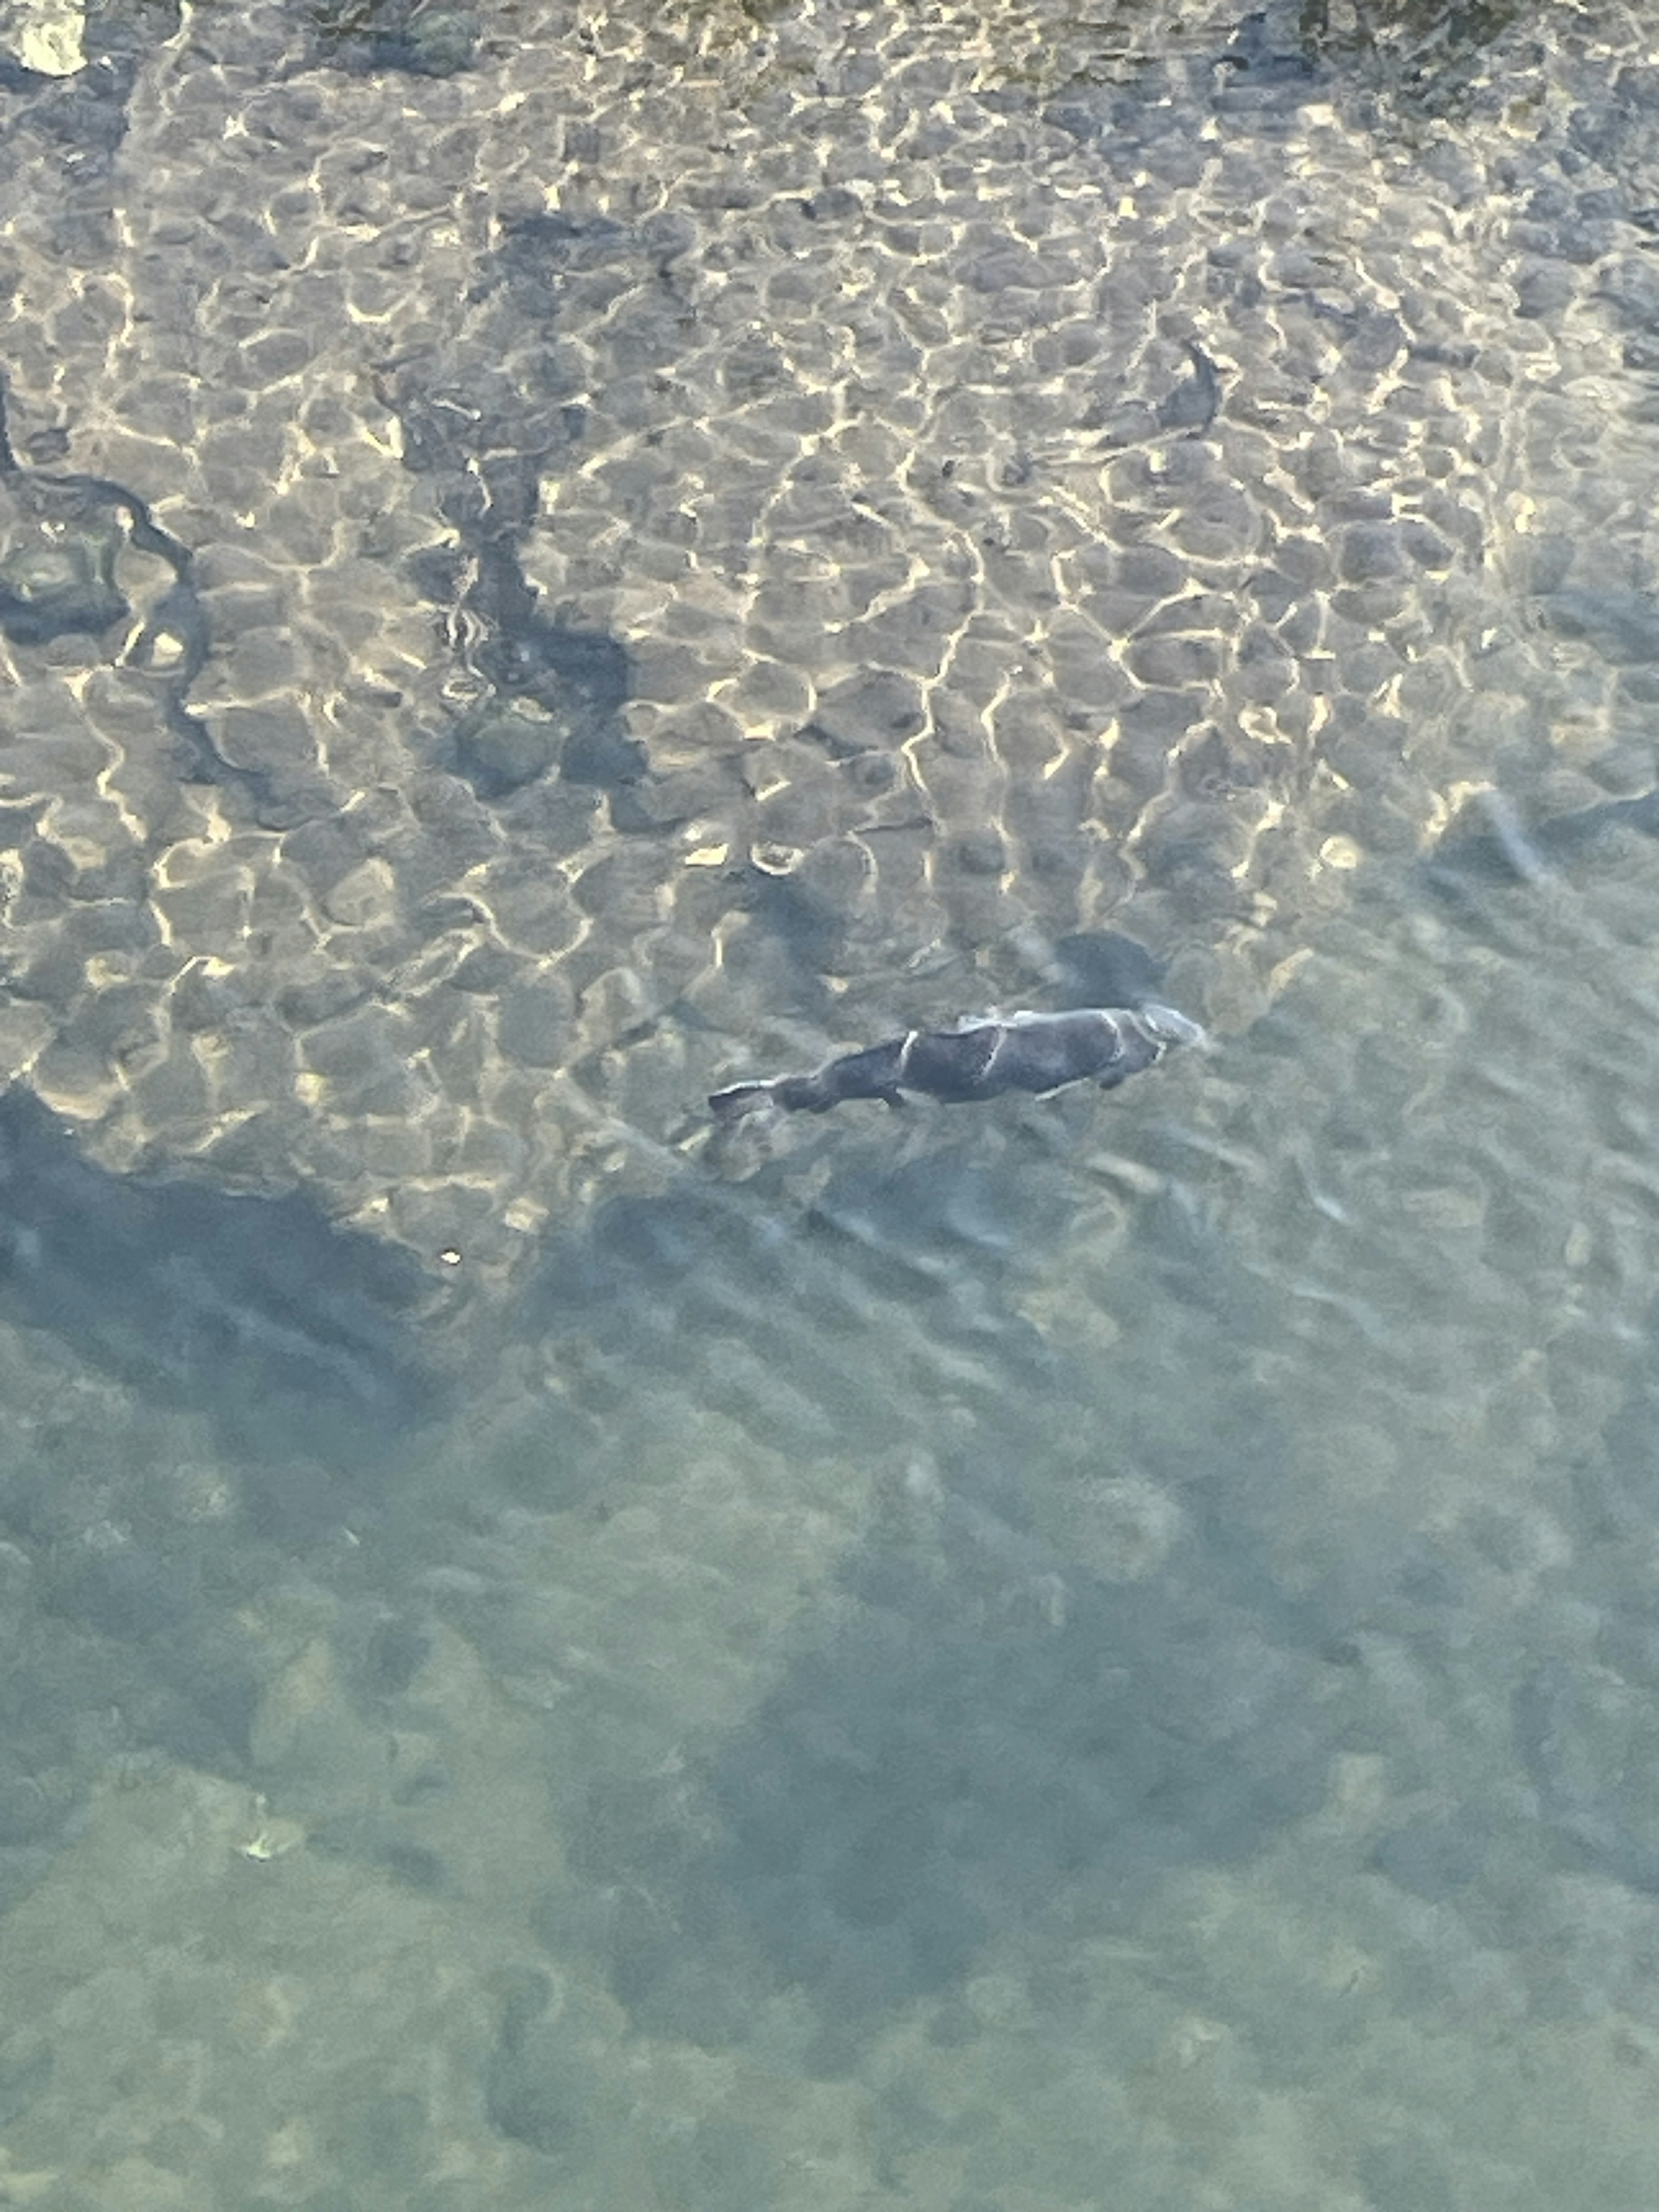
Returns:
(295,1336)
(982,1723)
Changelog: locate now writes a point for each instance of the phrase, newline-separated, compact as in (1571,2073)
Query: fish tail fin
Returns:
(731,1105)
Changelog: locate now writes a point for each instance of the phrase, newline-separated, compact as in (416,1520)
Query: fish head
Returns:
(1165,1026)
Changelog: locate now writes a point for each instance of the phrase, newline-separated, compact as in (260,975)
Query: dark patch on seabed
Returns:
(936,1771)
(1584,1718)
(122,1591)
(120,1602)
(297,1337)
(980,1724)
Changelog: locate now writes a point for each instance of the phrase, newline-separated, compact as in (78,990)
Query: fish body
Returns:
(981,1058)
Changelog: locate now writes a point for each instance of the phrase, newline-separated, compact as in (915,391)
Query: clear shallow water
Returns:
(1090,1652)
(1115,1656)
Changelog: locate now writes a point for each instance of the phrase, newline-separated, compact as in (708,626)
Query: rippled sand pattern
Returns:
(714,535)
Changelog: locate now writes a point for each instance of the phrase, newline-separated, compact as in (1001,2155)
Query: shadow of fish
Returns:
(1583,1794)
(1623,626)
(981,1058)
(1497,847)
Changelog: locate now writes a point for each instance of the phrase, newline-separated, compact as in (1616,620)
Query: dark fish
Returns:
(979,1059)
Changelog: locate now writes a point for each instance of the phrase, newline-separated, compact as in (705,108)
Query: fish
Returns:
(982,1057)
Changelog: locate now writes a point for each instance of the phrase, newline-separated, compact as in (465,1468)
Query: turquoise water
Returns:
(1086,1652)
